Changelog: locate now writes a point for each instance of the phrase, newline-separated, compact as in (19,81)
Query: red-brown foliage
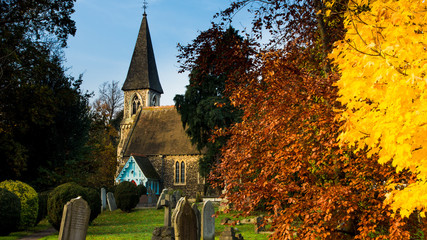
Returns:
(284,157)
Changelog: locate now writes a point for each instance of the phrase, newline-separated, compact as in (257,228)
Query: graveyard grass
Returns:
(140,223)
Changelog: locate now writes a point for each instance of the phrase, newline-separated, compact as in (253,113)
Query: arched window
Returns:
(154,100)
(182,172)
(135,104)
(177,172)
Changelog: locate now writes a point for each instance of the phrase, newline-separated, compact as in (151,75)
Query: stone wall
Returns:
(127,101)
(165,166)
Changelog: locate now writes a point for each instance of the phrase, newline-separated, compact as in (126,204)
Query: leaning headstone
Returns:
(208,221)
(75,220)
(185,224)
(103,200)
(198,217)
(111,201)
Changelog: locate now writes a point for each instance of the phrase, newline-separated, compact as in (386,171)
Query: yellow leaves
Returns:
(383,62)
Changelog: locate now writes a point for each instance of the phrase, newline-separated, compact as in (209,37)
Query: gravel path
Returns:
(40,234)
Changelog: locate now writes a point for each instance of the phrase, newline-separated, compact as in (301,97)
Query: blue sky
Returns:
(107,31)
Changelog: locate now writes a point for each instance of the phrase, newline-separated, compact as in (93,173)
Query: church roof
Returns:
(146,167)
(142,73)
(159,131)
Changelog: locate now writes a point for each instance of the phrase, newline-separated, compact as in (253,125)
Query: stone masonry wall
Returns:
(165,166)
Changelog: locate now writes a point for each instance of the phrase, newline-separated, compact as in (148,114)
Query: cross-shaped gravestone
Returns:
(165,203)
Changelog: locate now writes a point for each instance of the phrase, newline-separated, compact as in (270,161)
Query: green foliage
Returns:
(29,201)
(59,197)
(94,201)
(43,196)
(126,196)
(43,114)
(10,212)
(141,189)
(212,58)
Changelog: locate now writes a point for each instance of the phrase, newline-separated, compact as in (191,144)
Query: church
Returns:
(154,149)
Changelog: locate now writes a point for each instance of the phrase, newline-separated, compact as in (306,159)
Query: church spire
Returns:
(142,73)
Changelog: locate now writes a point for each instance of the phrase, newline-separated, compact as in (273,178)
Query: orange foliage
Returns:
(284,157)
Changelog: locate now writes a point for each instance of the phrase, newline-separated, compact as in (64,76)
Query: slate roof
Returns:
(146,167)
(159,131)
(142,73)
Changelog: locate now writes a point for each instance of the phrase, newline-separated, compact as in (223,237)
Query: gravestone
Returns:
(208,221)
(163,233)
(152,199)
(75,220)
(162,197)
(165,203)
(103,200)
(259,224)
(176,196)
(198,217)
(185,224)
(228,234)
(175,211)
(111,201)
(149,199)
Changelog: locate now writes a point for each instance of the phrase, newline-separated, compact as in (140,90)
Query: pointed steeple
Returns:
(142,73)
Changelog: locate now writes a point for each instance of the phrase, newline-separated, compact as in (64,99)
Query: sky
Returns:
(107,30)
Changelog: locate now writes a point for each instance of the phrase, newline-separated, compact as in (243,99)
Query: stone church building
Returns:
(154,149)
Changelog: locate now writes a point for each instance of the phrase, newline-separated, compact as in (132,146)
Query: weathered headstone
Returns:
(163,233)
(208,221)
(75,220)
(111,201)
(152,199)
(176,196)
(198,217)
(103,200)
(165,203)
(175,211)
(259,221)
(228,234)
(149,199)
(162,197)
(185,224)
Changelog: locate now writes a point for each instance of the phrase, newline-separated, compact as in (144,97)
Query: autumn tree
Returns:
(106,113)
(284,156)
(109,104)
(383,86)
(212,58)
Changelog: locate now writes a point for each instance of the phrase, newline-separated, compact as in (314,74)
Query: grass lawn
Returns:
(140,224)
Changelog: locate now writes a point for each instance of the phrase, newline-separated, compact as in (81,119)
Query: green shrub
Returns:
(126,196)
(141,190)
(42,206)
(94,201)
(59,197)
(10,212)
(29,201)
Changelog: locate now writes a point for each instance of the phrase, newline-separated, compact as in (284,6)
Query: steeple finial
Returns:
(145,6)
